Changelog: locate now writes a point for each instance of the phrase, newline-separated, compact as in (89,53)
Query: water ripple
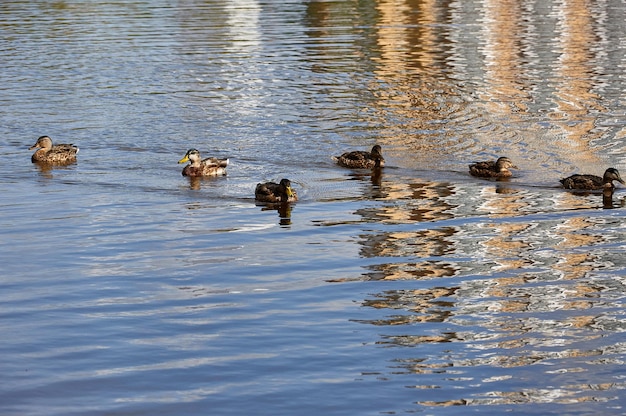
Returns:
(127,288)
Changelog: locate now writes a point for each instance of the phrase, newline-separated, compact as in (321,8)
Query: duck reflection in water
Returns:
(375,176)
(608,202)
(46,170)
(195,182)
(503,188)
(283,209)
(377,191)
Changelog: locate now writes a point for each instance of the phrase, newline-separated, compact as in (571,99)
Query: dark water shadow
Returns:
(195,183)
(282,208)
(46,169)
(375,176)
(608,202)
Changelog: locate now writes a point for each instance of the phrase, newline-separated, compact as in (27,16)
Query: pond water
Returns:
(127,288)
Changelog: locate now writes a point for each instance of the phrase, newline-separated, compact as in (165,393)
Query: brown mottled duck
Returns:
(275,192)
(199,167)
(360,159)
(58,154)
(493,169)
(591,182)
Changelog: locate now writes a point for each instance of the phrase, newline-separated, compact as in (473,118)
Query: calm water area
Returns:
(128,289)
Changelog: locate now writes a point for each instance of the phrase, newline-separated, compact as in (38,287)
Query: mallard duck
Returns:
(275,192)
(53,154)
(493,169)
(211,166)
(360,159)
(591,182)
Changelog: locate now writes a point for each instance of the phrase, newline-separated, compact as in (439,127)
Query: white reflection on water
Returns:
(178,364)
(243,27)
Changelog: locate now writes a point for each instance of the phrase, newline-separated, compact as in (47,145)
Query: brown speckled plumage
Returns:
(492,169)
(275,192)
(360,159)
(59,154)
(591,182)
(199,167)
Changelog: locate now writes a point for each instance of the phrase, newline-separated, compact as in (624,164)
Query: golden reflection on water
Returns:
(576,21)
(576,100)
(504,58)
(426,201)
(413,48)
(423,201)
(508,344)
(503,201)
(501,284)
(418,49)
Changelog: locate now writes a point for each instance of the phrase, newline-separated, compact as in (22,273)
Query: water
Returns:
(128,289)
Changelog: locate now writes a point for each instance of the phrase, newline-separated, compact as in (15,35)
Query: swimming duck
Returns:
(211,166)
(275,192)
(490,169)
(591,182)
(360,159)
(53,154)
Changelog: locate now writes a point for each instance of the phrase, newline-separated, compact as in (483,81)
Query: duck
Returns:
(493,169)
(53,154)
(593,182)
(360,159)
(275,192)
(211,166)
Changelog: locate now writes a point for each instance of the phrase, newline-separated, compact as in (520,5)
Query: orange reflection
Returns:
(576,99)
(503,36)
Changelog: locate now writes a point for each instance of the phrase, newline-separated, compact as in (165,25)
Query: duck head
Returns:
(286,185)
(44,142)
(610,175)
(192,155)
(503,163)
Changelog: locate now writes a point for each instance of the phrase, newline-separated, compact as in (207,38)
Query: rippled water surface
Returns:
(127,289)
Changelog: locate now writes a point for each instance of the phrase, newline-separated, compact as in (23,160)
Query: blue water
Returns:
(127,288)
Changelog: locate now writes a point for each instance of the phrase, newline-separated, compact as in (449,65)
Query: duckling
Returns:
(591,182)
(360,159)
(198,167)
(58,154)
(490,169)
(275,192)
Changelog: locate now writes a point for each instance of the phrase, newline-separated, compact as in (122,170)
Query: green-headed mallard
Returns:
(53,154)
(360,159)
(493,169)
(591,182)
(275,192)
(198,167)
